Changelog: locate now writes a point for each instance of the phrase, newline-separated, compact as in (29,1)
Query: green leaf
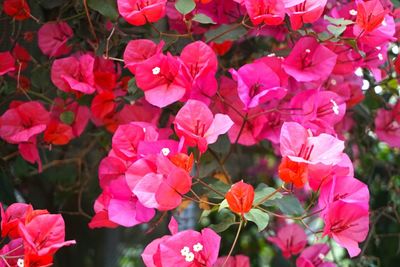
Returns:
(227,221)
(336,30)
(225,32)
(262,191)
(218,186)
(289,205)
(260,218)
(224,204)
(185,6)
(338,21)
(202,18)
(107,8)
(40,77)
(67,117)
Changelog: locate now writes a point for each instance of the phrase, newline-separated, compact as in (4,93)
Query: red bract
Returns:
(139,12)
(291,239)
(53,38)
(196,124)
(240,197)
(293,172)
(309,61)
(270,12)
(370,14)
(18,9)
(7,62)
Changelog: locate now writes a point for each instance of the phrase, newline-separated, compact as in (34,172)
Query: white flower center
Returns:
(380,56)
(353,12)
(308,50)
(198,247)
(156,70)
(185,251)
(321,256)
(20,262)
(335,107)
(165,151)
(384,23)
(333,82)
(189,257)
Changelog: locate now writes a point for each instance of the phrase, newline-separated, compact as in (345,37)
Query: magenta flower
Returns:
(7,62)
(270,12)
(318,110)
(139,12)
(159,78)
(198,126)
(22,121)
(387,125)
(347,224)
(187,249)
(53,38)
(298,143)
(306,11)
(199,64)
(74,74)
(290,239)
(309,61)
(313,256)
(233,261)
(257,84)
(346,189)
(138,51)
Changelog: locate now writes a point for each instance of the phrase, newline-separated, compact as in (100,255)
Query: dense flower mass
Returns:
(246,114)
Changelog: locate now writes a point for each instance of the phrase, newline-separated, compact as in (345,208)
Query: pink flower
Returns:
(10,218)
(159,78)
(309,61)
(158,182)
(387,125)
(74,74)
(345,189)
(305,12)
(370,14)
(200,66)
(257,84)
(22,121)
(139,12)
(198,126)
(30,153)
(7,62)
(53,38)
(318,110)
(301,146)
(291,239)
(187,249)
(140,50)
(313,256)
(270,12)
(233,261)
(347,224)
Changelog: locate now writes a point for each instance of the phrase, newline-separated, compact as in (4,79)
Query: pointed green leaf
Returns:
(185,6)
(336,30)
(223,204)
(262,191)
(225,223)
(289,205)
(202,18)
(107,8)
(259,217)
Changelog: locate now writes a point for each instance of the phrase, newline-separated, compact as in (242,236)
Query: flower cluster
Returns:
(35,236)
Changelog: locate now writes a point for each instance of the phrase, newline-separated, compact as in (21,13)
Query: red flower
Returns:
(18,9)
(240,197)
(293,172)
(7,62)
(370,14)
